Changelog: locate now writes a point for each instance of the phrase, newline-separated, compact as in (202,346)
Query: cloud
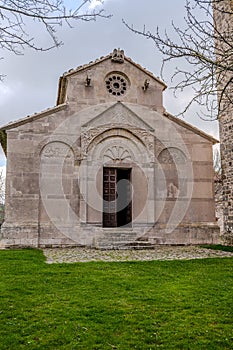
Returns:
(32,79)
(95,3)
(5,92)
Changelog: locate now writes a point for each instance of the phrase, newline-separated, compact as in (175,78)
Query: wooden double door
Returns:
(117,197)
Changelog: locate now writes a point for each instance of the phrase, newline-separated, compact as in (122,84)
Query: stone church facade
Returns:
(108,167)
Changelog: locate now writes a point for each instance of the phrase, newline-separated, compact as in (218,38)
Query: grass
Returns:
(225,248)
(99,305)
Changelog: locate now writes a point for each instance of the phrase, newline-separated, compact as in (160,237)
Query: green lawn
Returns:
(99,305)
(225,248)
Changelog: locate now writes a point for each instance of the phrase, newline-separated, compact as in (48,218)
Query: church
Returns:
(108,167)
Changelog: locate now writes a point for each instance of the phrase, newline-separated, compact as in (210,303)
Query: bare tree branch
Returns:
(16,17)
(204,55)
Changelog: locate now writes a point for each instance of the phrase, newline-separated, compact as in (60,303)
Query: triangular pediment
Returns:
(118,115)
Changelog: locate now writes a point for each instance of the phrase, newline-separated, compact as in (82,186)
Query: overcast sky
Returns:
(31,80)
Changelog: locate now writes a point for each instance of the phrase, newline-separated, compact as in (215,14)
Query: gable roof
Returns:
(109,56)
(30,118)
(191,128)
(63,78)
(61,105)
(22,121)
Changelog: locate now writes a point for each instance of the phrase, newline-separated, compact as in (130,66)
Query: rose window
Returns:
(116,84)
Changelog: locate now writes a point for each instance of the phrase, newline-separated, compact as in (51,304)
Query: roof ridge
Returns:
(85,65)
(103,58)
(33,116)
(190,127)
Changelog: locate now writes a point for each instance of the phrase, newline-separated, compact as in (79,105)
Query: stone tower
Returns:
(223,16)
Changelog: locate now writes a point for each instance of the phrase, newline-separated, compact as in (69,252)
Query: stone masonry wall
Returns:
(223,15)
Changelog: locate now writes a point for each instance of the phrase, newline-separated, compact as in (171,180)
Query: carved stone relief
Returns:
(56,150)
(159,147)
(118,56)
(93,137)
(117,154)
(172,191)
(87,137)
(172,155)
(118,115)
(147,138)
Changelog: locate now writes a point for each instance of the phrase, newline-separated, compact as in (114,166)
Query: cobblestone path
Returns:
(71,255)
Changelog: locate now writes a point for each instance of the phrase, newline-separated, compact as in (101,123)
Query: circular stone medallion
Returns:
(116,84)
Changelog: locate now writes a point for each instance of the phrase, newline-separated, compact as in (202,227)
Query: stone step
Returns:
(140,245)
(123,245)
(122,240)
(115,240)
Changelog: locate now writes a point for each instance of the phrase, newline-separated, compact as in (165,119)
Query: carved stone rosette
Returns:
(117,154)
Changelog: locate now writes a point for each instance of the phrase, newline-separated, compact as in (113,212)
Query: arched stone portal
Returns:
(117,182)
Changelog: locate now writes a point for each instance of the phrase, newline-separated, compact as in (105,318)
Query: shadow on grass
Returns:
(224,248)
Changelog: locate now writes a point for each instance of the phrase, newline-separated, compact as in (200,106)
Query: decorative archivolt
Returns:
(172,155)
(147,138)
(88,137)
(92,137)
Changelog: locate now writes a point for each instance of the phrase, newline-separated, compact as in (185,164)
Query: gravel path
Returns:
(71,255)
